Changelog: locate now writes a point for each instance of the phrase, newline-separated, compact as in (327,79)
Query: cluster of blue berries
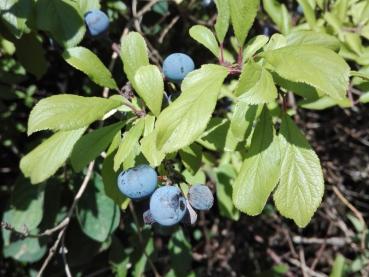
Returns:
(168,205)
(176,66)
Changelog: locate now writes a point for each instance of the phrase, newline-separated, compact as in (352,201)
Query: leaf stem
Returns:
(221,59)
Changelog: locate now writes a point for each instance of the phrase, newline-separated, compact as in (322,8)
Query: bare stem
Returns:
(66,221)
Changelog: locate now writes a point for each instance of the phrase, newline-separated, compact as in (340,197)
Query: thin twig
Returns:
(78,196)
(63,252)
(356,213)
(303,263)
(146,8)
(308,270)
(336,241)
(167,28)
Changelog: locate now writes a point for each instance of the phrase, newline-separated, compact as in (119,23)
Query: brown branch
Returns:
(167,28)
(78,196)
(356,213)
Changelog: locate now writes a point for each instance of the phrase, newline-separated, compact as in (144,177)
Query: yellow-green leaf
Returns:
(256,85)
(301,184)
(134,54)
(45,159)
(206,37)
(184,120)
(305,64)
(68,112)
(150,87)
(222,24)
(129,140)
(85,60)
(259,173)
(243,14)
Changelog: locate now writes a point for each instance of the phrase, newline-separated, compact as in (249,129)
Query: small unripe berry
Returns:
(200,197)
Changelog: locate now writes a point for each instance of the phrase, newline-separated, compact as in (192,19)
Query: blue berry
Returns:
(167,205)
(138,182)
(176,66)
(300,10)
(200,197)
(97,22)
(266,31)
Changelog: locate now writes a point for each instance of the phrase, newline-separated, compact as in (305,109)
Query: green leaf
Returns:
(180,253)
(109,177)
(85,60)
(68,112)
(35,63)
(129,140)
(279,14)
(324,103)
(205,37)
(161,7)
(308,12)
(260,170)
(242,120)
(134,54)
(334,23)
(256,85)
(338,269)
(340,9)
(90,146)
(301,184)
(225,175)
(313,38)
(150,87)
(29,250)
(243,14)
(222,23)
(253,46)
(26,207)
(97,214)
(304,64)
(301,89)
(62,19)
(14,14)
(150,151)
(353,42)
(142,252)
(45,159)
(119,257)
(214,136)
(191,157)
(88,5)
(364,98)
(184,120)
(275,42)
(197,178)
(149,124)
(362,75)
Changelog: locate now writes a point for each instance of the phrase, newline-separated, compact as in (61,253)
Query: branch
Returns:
(78,196)
(356,213)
